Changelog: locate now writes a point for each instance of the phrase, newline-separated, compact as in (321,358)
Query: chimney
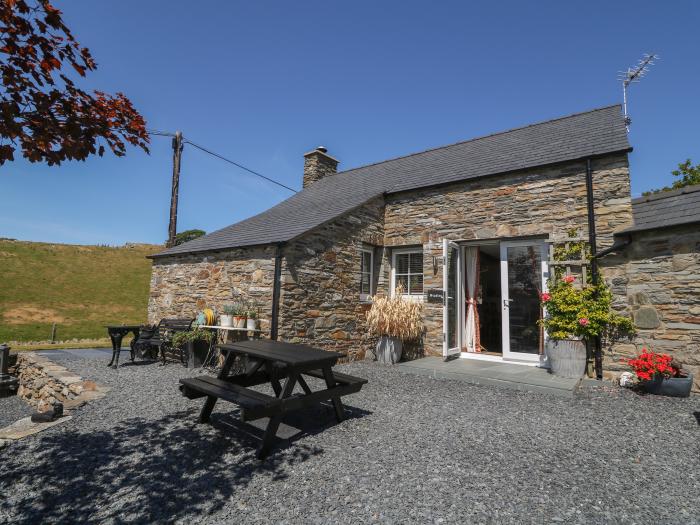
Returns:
(317,165)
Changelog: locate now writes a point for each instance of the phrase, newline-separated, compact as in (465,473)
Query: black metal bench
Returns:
(160,337)
(271,362)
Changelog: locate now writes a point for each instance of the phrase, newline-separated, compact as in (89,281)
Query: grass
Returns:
(80,288)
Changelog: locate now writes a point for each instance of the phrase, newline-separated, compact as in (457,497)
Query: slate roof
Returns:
(669,208)
(577,136)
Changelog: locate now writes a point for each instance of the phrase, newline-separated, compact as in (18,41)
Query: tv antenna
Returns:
(632,75)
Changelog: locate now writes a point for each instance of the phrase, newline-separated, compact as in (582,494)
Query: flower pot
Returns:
(669,386)
(389,350)
(239,321)
(226,320)
(567,357)
(251,324)
(196,353)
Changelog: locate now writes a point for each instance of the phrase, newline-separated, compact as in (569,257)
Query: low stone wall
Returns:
(43,383)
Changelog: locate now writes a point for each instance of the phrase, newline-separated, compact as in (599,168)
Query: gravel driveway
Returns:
(415,450)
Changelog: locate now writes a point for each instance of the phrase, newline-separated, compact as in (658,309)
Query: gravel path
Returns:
(11,409)
(416,450)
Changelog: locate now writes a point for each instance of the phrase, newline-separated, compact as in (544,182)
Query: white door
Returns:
(452,305)
(523,279)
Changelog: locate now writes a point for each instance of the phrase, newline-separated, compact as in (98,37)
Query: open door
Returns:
(524,275)
(451,311)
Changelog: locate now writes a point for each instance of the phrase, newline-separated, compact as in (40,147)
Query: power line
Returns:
(238,165)
(214,154)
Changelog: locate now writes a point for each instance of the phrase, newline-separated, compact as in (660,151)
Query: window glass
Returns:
(365,273)
(408,272)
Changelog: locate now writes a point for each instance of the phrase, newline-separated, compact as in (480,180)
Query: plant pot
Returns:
(251,324)
(389,350)
(196,353)
(226,320)
(669,386)
(567,357)
(239,321)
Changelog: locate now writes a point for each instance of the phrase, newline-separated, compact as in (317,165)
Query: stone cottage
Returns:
(465,228)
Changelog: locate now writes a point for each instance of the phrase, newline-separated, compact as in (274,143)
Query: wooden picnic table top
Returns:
(288,353)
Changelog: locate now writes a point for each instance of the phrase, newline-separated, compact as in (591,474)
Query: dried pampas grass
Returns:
(395,317)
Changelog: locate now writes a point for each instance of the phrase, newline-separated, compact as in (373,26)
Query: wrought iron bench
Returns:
(160,337)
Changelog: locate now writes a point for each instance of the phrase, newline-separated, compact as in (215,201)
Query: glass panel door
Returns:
(523,274)
(452,294)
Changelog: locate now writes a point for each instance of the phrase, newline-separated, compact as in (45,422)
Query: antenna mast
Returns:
(634,74)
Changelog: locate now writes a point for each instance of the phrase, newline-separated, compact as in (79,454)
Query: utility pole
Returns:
(177,154)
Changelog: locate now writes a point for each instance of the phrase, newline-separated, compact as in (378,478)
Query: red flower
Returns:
(545,297)
(649,364)
(569,279)
(583,321)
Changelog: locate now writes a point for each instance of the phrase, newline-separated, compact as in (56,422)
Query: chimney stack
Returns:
(317,165)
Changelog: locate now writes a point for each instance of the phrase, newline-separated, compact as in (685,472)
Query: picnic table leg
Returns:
(337,403)
(274,423)
(207,409)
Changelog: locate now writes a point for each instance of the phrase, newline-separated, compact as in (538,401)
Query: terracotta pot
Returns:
(239,321)
(567,357)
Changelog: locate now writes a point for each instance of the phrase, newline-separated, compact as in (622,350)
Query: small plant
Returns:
(650,364)
(229,309)
(252,314)
(395,317)
(180,339)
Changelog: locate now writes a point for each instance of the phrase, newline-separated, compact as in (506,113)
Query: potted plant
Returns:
(574,316)
(194,345)
(226,318)
(252,319)
(394,320)
(659,374)
(239,315)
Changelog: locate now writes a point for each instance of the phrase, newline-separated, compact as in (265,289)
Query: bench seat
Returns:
(343,379)
(254,405)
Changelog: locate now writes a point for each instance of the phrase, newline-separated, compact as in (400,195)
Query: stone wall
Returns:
(320,295)
(542,201)
(43,383)
(657,280)
(320,300)
(182,285)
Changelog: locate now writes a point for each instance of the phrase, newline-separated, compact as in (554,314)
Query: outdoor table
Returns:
(271,362)
(116,334)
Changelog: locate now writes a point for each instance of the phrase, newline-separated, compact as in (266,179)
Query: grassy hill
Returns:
(80,288)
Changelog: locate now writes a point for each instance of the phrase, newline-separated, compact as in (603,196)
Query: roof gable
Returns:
(595,132)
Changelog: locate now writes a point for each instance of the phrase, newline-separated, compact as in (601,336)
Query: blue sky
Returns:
(265,82)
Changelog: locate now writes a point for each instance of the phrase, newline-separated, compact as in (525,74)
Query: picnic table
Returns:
(272,362)
(116,334)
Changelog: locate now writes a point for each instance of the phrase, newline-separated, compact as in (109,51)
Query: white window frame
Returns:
(400,251)
(367,296)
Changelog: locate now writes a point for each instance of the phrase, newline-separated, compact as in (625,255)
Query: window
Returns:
(366,273)
(408,271)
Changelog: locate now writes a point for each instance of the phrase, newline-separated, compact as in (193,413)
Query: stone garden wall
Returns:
(542,201)
(43,383)
(657,280)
